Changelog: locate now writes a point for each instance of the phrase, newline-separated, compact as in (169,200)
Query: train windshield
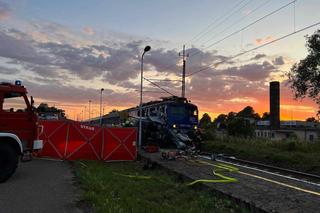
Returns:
(180,111)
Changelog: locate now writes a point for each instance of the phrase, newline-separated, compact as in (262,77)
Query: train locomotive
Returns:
(172,121)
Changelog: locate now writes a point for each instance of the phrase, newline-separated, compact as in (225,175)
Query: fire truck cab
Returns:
(19,128)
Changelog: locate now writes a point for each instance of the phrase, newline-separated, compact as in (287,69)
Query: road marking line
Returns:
(271,173)
(269,180)
(282,184)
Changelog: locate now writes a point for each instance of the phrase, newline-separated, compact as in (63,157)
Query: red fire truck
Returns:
(19,128)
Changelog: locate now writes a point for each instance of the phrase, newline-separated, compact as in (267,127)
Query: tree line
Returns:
(240,123)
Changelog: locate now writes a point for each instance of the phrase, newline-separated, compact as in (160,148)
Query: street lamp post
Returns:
(146,49)
(101,106)
(89,110)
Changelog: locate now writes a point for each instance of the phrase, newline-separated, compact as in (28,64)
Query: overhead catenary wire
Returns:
(196,52)
(172,65)
(239,20)
(253,49)
(153,79)
(241,30)
(212,23)
(213,26)
(155,84)
(206,29)
(244,28)
(294,16)
(150,91)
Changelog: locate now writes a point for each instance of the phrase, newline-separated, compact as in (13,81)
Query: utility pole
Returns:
(184,56)
(89,109)
(101,90)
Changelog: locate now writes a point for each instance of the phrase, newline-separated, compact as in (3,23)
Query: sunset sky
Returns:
(65,51)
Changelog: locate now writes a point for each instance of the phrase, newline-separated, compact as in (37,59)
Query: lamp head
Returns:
(147,48)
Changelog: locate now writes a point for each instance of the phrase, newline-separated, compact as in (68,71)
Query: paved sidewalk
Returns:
(39,186)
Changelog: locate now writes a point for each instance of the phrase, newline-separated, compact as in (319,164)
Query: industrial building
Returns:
(279,130)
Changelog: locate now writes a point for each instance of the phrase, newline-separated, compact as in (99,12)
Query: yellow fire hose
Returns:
(220,168)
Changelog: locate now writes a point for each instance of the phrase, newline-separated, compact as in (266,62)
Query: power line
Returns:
(209,27)
(153,79)
(150,91)
(239,20)
(255,48)
(158,86)
(245,27)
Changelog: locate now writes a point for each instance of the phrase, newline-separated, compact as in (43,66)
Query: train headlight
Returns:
(174,126)
(195,127)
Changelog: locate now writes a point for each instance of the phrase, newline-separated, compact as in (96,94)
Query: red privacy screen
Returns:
(71,140)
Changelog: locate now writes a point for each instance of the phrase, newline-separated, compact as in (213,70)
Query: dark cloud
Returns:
(251,72)
(224,93)
(278,61)
(114,63)
(234,85)
(20,50)
(8,71)
(258,56)
(119,63)
(164,61)
(199,57)
(57,92)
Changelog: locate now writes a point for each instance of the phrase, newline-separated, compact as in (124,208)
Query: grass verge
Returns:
(296,155)
(127,187)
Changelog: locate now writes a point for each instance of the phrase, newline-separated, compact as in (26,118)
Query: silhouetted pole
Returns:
(146,49)
(184,55)
(89,109)
(101,106)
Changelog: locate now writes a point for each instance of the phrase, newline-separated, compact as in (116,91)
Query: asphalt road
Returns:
(40,186)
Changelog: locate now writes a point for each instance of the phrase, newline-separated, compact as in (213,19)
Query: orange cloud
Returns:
(88,31)
(260,41)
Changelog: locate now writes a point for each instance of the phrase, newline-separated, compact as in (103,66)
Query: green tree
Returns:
(231,116)
(44,108)
(265,116)
(312,119)
(220,121)
(304,77)
(205,121)
(248,112)
(240,127)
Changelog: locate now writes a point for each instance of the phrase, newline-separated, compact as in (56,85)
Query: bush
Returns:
(289,153)
(209,134)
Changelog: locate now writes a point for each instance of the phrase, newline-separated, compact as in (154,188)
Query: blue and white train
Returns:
(170,121)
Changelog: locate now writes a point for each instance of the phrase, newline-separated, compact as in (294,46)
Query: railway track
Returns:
(265,168)
(263,188)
